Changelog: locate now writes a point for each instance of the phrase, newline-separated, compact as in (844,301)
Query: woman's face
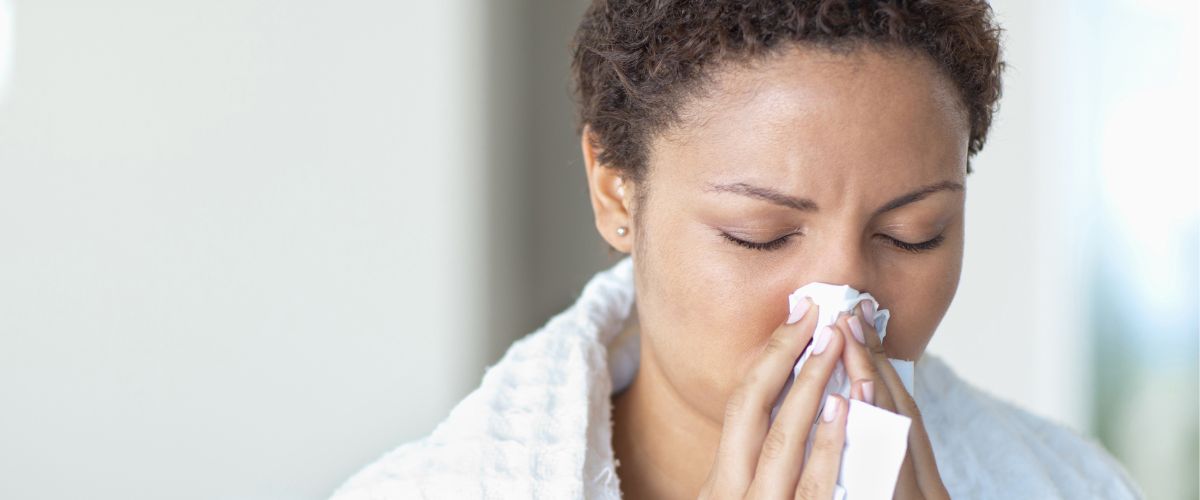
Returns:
(816,155)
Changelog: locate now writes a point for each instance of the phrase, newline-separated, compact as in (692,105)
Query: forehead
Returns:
(808,111)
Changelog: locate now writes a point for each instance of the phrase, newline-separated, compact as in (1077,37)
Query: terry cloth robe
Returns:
(539,425)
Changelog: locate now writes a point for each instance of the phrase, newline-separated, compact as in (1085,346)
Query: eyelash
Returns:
(918,247)
(768,246)
(776,244)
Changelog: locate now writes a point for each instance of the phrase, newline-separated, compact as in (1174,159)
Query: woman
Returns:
(738,150)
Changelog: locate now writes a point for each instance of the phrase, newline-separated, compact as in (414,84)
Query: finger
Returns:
(924,464)
(749,406)
(883,366)
(907,485)
(859,367)
(879,360)
(863,390)
(821,470)
(920,451)
(782,455)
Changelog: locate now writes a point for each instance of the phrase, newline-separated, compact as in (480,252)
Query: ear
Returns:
(610,194)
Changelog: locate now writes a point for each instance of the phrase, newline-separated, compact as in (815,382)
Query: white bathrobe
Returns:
(539,425)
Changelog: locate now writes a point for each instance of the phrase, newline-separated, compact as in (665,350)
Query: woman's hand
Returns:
(878,383)
(757,459)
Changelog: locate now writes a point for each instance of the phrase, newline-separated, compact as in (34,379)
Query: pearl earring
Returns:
(621,231)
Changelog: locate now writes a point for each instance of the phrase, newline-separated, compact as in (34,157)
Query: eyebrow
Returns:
(807,205)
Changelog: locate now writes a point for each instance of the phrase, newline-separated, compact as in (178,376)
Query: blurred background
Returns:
(248,246)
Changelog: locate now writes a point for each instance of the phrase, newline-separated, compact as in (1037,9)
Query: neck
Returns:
(664,445)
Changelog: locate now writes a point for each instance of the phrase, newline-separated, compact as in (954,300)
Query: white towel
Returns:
(539,425)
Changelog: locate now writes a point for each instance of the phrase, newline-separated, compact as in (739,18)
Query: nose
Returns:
(842,260)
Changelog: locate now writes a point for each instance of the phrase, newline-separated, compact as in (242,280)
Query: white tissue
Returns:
(876,439)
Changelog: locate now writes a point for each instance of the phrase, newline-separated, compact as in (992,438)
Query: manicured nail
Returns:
(798,311)
(868,310)
(832,406)
(868,392)
(856,329)
(822,339)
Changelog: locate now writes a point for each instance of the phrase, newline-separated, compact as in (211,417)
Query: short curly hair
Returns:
(634,62)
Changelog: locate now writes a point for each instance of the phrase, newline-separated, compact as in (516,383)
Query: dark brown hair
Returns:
(635,61)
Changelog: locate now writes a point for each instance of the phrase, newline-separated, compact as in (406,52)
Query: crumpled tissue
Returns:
(876,439)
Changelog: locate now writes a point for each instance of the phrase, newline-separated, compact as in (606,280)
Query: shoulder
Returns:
(537,425)
(522,432)
(990,448)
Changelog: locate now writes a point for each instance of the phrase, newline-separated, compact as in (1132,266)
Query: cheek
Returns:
(707,315)
(918,296)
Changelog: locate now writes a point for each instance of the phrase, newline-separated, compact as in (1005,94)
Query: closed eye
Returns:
(768,246)
(918,247)
(780,242)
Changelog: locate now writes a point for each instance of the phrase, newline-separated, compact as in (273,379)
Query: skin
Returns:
(848,132)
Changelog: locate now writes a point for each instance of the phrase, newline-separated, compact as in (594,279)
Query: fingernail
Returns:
(868,310)
(822,339)
(798,311)
(868,390)
(856,329)
(832,406)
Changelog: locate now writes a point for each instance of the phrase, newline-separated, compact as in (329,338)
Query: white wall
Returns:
(1018,325)
(238,242)
(1098,93)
